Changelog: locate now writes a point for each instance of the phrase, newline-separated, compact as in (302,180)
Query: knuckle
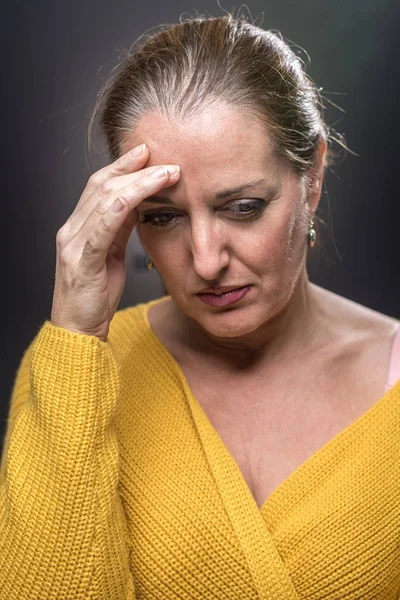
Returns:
(106,226)
(102,207)
(139,184)
(119,165)
(61,237)
(145,174)
(116,251)
(106,187)
(94,180)
(91,246)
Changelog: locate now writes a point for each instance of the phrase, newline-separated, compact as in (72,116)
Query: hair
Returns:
(205,61)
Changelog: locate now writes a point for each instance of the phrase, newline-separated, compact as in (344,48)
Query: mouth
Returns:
(224,298)
(219,291)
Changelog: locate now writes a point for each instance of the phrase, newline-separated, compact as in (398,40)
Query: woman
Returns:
(239,437)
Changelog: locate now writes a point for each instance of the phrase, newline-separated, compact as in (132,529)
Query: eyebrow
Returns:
(220,195)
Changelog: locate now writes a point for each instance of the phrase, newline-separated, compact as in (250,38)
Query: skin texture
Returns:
(335,352)
(208,244)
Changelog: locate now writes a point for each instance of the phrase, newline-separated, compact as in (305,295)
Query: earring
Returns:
(149,263)
(312,234)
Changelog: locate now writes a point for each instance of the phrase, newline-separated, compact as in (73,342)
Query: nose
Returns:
(210,249)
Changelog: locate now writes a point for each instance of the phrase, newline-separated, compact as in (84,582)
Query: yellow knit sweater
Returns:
(115,485)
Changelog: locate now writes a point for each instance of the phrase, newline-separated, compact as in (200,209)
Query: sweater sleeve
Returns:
(63,532)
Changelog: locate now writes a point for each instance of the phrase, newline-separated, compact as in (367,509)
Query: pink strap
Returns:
(394,368)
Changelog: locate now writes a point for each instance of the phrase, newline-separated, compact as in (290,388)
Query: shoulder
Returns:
(355,325)
(360,347)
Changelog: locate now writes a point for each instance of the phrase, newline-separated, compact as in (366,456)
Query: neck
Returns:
(286,334)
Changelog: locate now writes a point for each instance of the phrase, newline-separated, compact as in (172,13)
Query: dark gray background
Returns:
(54,58)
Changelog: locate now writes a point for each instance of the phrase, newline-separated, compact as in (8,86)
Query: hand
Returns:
(91,245)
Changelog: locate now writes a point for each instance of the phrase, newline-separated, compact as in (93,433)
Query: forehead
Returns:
(220,140)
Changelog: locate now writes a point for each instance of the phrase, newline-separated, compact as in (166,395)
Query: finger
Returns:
(124,233)
(98,182)
(99,235)
(106,197)
(122,166)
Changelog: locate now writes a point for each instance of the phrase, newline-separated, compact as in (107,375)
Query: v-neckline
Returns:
(306,464)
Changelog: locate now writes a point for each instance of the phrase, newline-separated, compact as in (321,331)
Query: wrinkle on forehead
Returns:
(220,148)
(221,132)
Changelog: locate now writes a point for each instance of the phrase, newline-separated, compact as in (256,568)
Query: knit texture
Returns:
(115,485)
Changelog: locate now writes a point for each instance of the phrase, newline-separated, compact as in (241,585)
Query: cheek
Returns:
(144,234)
(151,240)
(164,250)
(279,244)
(270,245)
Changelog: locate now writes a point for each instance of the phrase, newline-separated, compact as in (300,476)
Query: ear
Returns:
(317,177)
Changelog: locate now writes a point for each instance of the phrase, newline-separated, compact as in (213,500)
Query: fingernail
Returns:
(118,205)
(138,151)
(173,169)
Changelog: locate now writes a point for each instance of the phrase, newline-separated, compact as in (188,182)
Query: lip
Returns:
(222,289)
(225,298)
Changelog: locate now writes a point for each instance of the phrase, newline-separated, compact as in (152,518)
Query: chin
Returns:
(229,323)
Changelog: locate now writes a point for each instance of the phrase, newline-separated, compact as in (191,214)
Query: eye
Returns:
(247,209)
(159,219)
(244,211)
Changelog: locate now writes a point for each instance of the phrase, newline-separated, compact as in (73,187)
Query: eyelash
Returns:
(256,207)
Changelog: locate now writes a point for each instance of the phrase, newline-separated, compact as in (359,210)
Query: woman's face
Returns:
(201,233)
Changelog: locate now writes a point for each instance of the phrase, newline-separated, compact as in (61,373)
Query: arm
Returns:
(62,526)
